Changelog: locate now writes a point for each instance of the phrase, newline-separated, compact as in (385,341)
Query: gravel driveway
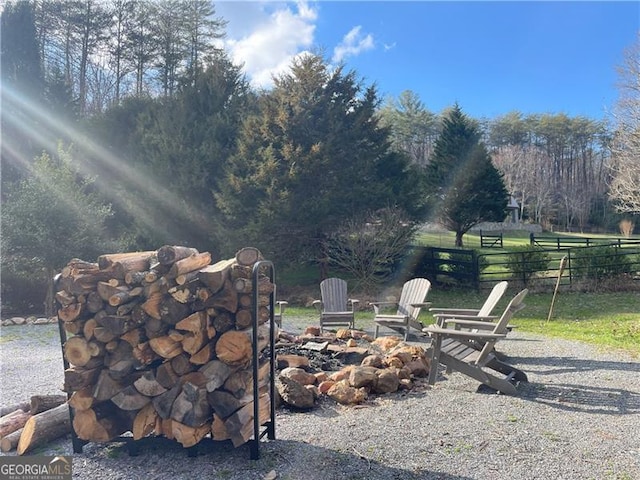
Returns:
(577,418)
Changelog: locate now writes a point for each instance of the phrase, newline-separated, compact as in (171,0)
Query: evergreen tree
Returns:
(464,187)
(51,217)
(314,156)
(22,86)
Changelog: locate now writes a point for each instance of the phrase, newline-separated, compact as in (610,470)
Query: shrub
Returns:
(599,263)
(524,262)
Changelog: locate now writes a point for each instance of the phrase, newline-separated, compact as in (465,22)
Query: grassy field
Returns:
(608,320)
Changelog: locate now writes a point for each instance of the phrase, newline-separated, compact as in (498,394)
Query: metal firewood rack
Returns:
(259,430)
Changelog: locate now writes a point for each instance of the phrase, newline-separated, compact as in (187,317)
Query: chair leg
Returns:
(375,335)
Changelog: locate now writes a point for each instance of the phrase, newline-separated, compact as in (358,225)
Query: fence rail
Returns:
(447,266)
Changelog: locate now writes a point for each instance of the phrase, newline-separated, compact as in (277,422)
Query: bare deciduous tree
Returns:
(625,183)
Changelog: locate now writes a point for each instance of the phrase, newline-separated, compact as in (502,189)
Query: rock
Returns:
(352,355)
(19,320)
(294,393)
(345,394)
(419,367)
(363,377)
(321,377)
(299,375)
(323,387)
(284,361)
(31,320)
(342,374)
(387,343)
(373,361)
(42,321)
(387,381)
(315,331)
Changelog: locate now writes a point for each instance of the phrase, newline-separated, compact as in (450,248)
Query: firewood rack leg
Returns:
(270,425)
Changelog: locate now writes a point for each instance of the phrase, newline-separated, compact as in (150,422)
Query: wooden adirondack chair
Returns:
(483,313)
(277,314)
(335,308)
(411,302)
(455,349)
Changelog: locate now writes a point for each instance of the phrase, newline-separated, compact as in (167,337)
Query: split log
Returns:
(101,423)
(163,402)
(182,294)
(214,276)
(152,305)
(82,399)
(134,337)
(65,298)
(165,346)
(88,328)
(218,430)
(171,311)
(94,302)
(103,334)
(227,298)
(196,322)
(148,385)
(144,354)
(106,387)
(44,427)
(186,278)
(106,290)
(189,264)
(124,296)
(13,421)
(74,327)
(130,399)
(240,382)
(181,364)
(190,406)
(118,325)
(225,404)
(189,436)
(41,403)
(145,422)
(71,312)
(166,376)
(169,254)
(107,261)
(240,425)
(134,278)
(216,372)
(203,355)
(194,342)
(223,322)
(235,346)
(76,378)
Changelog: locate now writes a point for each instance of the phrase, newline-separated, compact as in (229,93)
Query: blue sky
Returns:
(490,57)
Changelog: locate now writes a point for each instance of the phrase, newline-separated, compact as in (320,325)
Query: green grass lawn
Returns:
(608,320)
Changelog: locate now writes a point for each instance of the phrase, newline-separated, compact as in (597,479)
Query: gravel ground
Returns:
(577,418)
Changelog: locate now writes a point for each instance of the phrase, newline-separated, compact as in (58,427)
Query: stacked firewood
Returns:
(161,343)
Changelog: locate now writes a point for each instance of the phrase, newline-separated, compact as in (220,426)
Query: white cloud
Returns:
(352,44)
(389,47)
(276,35)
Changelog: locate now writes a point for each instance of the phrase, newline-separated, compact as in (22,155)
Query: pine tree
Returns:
(464,187)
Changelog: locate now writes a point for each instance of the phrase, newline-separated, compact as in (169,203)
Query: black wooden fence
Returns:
(483,270)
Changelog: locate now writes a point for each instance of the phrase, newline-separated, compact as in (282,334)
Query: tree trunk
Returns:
(44,427)
(459,236)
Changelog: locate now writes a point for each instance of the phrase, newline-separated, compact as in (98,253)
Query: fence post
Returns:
(524,267)
(569,267)
(532,239)
(475,261)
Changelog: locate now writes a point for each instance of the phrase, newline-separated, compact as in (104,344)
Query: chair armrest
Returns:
(421,304)
(470,324)
(485,318)
(282,304)
(461,311)
(377,305)
(434,330)
(317,304)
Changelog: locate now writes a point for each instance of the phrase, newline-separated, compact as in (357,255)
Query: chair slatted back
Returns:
(514,306)
(413,291)
(333,292)
(492,300)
